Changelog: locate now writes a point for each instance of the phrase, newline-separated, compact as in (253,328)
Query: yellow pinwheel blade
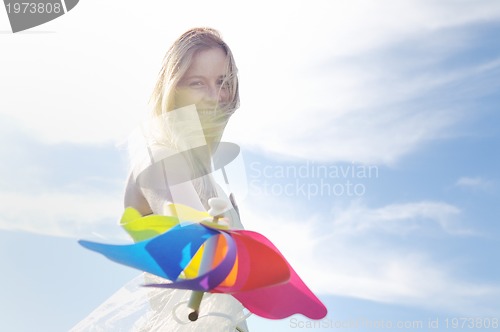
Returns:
(184,212)
(142,228)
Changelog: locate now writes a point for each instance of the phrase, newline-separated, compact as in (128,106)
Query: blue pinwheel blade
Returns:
(165,255)
(134,255)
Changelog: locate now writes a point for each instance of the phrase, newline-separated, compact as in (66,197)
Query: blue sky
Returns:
(408,88)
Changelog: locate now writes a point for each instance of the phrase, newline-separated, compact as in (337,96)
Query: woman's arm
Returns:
(134,198)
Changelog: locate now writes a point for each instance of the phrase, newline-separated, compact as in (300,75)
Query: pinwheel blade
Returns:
(284,299)
(178,246)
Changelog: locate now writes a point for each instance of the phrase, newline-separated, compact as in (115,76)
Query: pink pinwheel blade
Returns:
(282,300)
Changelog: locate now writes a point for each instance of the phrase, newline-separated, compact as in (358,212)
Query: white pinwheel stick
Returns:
(217,207)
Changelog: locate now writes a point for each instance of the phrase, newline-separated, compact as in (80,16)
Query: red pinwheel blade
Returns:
(282,300)
(259,265)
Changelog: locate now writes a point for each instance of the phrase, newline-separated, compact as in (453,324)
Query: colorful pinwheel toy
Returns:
(242,263)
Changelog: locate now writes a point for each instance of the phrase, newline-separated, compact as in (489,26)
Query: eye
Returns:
(196,84)
(223,84)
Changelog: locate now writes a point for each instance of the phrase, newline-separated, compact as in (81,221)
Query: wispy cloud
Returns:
(70,190)
(399,219)
(67,214)
(378,88)
(363,252)
(473,183)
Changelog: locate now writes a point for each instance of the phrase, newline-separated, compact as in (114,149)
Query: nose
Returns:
(214,93)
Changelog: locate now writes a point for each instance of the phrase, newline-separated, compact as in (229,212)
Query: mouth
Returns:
(211,112)
(207,108)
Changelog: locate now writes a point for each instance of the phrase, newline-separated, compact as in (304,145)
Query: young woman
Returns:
(196,94)
(194,97)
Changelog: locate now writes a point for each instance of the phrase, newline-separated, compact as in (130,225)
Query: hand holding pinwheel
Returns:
(193,252)
(217,208)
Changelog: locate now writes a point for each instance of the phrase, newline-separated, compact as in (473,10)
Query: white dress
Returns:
(137,308)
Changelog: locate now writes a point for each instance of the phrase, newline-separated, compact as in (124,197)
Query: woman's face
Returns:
(203,83)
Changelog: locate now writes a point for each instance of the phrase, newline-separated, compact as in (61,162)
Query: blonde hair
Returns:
(173,129)
(177,61)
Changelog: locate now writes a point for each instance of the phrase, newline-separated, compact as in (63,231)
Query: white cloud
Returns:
(360,252)
(399,219)
(473,182)
(375,114)
(67,214)
(369,93)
